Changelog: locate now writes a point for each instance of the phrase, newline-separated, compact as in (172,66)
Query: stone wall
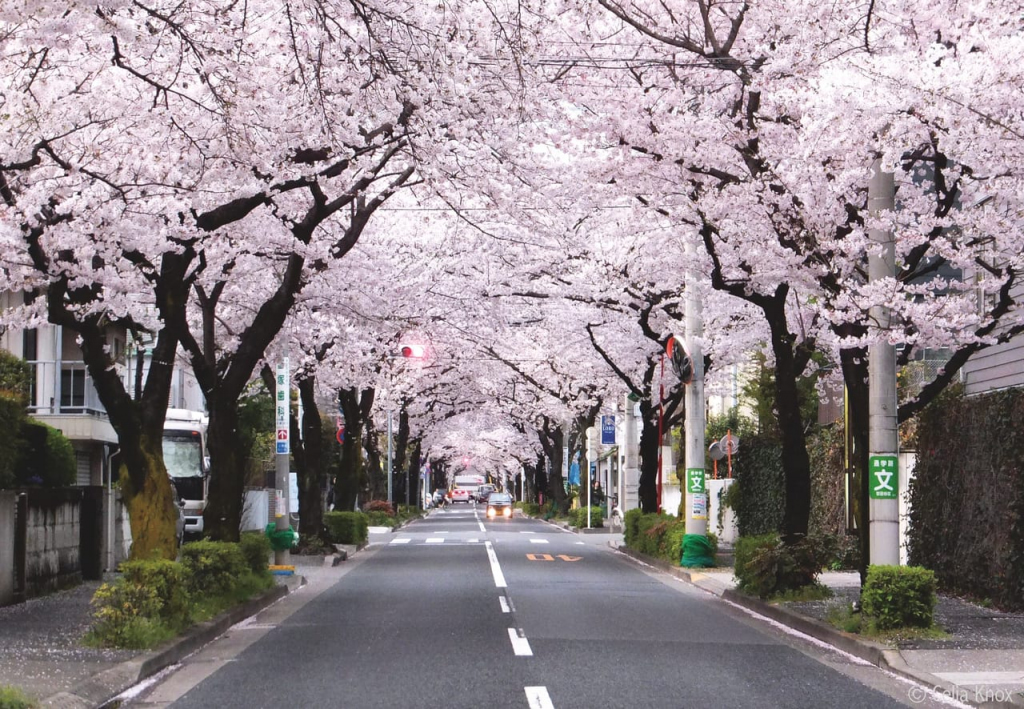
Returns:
(53,537)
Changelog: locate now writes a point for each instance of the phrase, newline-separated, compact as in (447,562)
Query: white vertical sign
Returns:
(281,399)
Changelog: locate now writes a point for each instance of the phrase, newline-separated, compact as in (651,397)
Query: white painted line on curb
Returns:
(520,645)
(538,698)
(538,541)
(401,540)
(499,578)
(505,608)
(435,540)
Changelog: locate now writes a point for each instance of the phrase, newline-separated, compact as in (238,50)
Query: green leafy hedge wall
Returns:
(967,496)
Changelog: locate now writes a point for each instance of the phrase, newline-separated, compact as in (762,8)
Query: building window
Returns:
(72,389)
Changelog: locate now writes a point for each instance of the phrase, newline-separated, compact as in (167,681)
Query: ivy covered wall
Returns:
(967,496)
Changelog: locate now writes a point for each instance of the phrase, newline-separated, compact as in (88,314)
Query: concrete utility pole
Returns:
(883,438)
(281,468)
(629,474)
(696,500)
(389,456)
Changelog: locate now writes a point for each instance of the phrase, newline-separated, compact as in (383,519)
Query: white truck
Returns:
(184,445)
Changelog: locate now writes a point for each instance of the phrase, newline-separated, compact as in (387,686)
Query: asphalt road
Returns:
(454,611)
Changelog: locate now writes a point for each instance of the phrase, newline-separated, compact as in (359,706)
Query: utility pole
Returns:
(629,474)
(281,468)
(883,438)
(696,484)
(389,457)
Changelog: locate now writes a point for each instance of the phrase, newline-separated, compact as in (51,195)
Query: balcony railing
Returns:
(62,388)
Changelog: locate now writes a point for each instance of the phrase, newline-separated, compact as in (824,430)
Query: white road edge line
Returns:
(538,698)
(505,608)
(499,578)
(520,645)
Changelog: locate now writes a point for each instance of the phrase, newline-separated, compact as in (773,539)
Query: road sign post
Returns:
(283,405)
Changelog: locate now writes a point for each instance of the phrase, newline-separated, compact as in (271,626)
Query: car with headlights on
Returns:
(499,505)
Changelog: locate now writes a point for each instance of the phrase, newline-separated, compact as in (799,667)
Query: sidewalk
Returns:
(42,654)
(981,663)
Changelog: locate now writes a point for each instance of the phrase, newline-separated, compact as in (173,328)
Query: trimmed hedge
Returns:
(967,496)
(380,518)
(213,567)
(256,549)
(46,456)
(659,535)
(761,499)
(578,517)
(347,527)
(899,596)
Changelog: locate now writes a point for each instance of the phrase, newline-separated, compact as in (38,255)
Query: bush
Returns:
(379,506)
(630,521)
(380,518)
(760,499)
(899,596)
(127,616)
(650,530)
(169,580)
(256,549)
(531,509)
(46,456)
(14,698)
(578,517)
(346,527)
(766,567)
(15,375)
(213,567)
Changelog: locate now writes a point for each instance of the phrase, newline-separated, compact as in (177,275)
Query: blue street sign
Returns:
(282,447)
(608,430)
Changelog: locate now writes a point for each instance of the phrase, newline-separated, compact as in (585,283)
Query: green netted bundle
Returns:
(697,552)
(281,539)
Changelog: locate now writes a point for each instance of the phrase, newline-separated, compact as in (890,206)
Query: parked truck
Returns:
(184,445)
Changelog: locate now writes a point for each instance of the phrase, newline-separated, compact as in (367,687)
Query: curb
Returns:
(881,656)
(102,689)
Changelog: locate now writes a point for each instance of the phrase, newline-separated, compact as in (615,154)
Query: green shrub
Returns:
(578,517)
(379,506)
(630,521)
(15,375)
(531,509)
(346,527)
(650,531)
(127,616)
(169,580)
(379,518)
(213,567)
(899,596)
(766,567)
(46,457)
(14,698)
(256,549)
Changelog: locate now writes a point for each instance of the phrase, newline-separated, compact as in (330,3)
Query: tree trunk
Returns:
(855,376)
(795,461)
(223,515)
(552,440)
(648,489)
(351,479)
(149,501)
(310,473)
(415,493)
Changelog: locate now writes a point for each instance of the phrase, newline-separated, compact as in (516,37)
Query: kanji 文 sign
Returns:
(883,481)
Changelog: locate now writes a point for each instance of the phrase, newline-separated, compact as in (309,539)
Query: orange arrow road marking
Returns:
(564,557)
(540,557)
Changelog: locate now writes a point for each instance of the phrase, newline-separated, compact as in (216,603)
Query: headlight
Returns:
(491,512)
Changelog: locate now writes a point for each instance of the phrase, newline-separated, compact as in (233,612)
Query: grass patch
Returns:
(811,592)
(14,698)
(844,618)
(248,585)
